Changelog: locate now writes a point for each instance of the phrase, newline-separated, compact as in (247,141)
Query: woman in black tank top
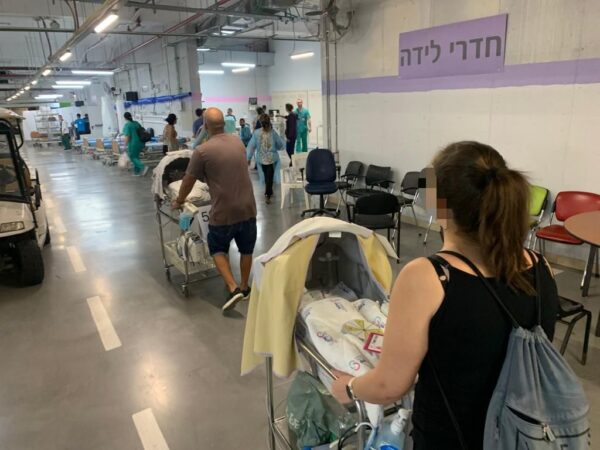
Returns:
(440,312)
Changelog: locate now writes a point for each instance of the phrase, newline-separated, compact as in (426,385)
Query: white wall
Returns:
(546,130)
(157,70)
(292,79)
(295,75)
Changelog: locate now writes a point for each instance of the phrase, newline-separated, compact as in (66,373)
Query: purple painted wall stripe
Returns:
(580,71)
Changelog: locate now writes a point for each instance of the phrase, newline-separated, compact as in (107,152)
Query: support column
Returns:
(190,82)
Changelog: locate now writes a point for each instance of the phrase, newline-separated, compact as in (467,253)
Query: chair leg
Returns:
(414,215)
(535,239)
(529,238)
(398,228)
(587,274)
(597,273)
(428,229)
(586,336)
(572,323)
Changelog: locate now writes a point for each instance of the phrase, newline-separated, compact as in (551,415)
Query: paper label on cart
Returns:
(203,218)
(374,343)
(335,234)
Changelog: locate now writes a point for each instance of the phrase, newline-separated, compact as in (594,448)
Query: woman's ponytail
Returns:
(503,225)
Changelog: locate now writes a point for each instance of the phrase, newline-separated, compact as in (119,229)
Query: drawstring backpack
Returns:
(538,402)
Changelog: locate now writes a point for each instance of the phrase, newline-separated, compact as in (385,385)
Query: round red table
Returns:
(586,227)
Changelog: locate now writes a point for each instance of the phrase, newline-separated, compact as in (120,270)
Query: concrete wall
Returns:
(546,127)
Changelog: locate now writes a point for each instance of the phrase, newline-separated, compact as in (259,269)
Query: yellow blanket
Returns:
(274,305)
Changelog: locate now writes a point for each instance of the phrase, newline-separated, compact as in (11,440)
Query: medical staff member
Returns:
(304,127)
(134,144)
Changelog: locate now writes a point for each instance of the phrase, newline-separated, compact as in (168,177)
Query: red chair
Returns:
(567,204)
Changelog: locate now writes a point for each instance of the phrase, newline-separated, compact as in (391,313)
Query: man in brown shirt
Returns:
(221,163)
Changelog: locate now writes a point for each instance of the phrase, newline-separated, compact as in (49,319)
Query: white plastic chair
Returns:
(291,178)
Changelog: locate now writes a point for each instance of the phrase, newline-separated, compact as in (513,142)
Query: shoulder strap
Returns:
(441,268)
(487,284)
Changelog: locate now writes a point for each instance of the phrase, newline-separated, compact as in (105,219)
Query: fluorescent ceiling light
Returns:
(232,27)
(302,55)
(92,72)
(22,91)
(211,72)
(65,86)
(203,49)
(48,96)
(240,69)
(71,82)
(236,64)
(106,22)
(46,72)
(34,82)
(27,88)
(66,55)
(227,32)
(8,99)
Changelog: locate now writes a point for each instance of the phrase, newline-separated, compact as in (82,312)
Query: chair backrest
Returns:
(376,204)
(354,169)
(538,198)
(571,203)
(320,166)
(377,174)
(410,183)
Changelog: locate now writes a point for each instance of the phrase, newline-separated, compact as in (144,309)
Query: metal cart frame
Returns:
(315,361)
(200,271)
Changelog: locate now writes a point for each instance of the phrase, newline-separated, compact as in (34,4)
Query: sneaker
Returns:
(246,293)
(145,171)
(232,300)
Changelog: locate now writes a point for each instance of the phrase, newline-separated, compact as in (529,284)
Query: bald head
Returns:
(214,121)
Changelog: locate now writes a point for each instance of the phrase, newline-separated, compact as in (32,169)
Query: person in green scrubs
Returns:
(134,144)
(304,127)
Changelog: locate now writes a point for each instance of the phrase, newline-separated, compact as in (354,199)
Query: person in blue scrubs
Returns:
(304,127)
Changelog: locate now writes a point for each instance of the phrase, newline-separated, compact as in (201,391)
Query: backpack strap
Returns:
(538,266)
(487,285)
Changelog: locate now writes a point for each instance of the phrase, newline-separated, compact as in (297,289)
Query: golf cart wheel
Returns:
(48,239)
(185,291)
(29,262)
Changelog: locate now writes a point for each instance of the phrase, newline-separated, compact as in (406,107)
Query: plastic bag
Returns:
(314,417)
(123,162)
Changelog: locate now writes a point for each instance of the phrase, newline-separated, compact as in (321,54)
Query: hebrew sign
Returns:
(463,48)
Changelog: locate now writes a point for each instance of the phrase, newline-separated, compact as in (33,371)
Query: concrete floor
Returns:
(60,389)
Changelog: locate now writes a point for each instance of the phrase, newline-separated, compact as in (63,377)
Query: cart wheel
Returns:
(185,291)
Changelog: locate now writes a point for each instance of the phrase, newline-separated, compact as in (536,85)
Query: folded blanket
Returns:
(199,193)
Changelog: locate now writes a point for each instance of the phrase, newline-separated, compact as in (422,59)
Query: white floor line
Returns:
(75,258)
(107,332)
(59,226)
(148,430)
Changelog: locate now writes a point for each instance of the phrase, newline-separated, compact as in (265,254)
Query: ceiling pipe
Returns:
(81,33)
(186,9)
(159,34)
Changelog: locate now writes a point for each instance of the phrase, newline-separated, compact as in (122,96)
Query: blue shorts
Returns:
(220,236)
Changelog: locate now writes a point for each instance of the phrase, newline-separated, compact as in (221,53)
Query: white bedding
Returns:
(199,194)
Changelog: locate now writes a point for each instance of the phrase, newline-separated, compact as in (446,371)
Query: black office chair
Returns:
(377,178)
(351,175)
(320,177)
(575,310)
(408,192)
(378,211)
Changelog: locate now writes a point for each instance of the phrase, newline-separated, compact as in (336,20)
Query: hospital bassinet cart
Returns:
(170,170)
(329,265)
